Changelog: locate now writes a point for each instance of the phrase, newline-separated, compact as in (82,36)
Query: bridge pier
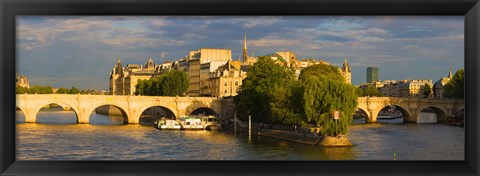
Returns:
(133,116)
(84,115)
(30,115)
(372,117)
(412,116)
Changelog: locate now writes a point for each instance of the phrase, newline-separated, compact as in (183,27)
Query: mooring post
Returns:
(249,127)
(235,122)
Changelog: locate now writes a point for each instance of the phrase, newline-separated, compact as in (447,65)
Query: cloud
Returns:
(163,55)
(47,41)
(266,42)
(193,36)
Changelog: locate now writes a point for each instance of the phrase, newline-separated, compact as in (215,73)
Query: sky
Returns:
(80,51)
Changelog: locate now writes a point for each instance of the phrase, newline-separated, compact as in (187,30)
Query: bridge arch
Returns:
(158,111)
(440,112)
(460,111)
(406,114)
(203,107)
(203,111)
(361,113)
(19,115)
(109,109)
(33,115)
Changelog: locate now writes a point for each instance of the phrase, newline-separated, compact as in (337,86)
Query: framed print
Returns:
(251,87)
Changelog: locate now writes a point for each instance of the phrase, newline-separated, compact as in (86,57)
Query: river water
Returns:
(54,137)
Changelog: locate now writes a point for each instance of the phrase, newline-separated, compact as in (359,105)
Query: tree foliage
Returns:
(34,90)
(323,96)
(267,84)
(270,93)
(455,87)
(321,69)
(427,90)
(49,90)
(73,90)
(286,103)
(62,91)
(21,90)
(172,83)
(369,90)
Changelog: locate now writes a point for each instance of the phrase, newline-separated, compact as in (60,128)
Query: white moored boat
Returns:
(191,123)
(167,124)
(210,122)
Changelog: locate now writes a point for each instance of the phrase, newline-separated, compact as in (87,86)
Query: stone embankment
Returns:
(307,136)
(304,138)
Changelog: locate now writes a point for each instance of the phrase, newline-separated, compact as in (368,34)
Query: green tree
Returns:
(427,90)
(35,90)
(47,90)
(360,92)
(321,69)
(73,90)
(286,103)
(455,87)
(172,83)
(265,84)
(21,90)
(62,91)
(139,88)
(371,91)
(322,97)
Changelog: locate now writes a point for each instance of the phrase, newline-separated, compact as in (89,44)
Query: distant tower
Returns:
(245,52)
(450,75)
(346,71)
(116,79)
(372,74)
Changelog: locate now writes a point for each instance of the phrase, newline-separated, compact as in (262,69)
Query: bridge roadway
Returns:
(133,106)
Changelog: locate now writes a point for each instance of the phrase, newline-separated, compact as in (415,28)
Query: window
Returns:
(236,83)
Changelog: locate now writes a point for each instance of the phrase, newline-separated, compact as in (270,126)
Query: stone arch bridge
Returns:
(410,107)
(133,106)
(130,106)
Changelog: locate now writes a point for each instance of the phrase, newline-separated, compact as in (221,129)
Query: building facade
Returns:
(440,84)
(225,81)
(372,74)
(22,81)
(124,79)
(206,59)
(346,71)
(413,88)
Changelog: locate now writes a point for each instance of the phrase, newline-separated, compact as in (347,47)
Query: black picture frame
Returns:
(10,8)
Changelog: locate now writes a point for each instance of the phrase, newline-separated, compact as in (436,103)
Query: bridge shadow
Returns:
(200,108)
(392,114)
(431,115)
(56,113)
(19,115)
(108,115)
(151,114)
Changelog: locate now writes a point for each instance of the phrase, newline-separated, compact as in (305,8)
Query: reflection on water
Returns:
(105,141)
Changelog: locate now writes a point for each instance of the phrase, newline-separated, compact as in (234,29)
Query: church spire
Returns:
(245,52)
(450,75)
(346,67)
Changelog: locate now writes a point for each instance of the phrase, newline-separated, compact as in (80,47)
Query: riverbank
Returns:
(304,138)
(282,132)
